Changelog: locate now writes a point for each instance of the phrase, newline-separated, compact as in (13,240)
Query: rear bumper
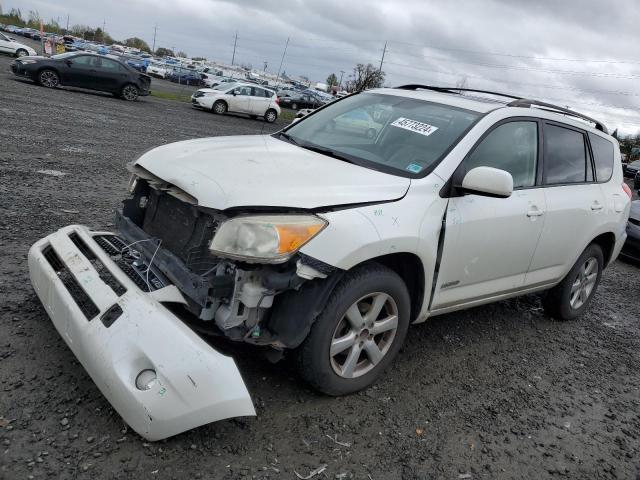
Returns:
(117,335)
(631,248)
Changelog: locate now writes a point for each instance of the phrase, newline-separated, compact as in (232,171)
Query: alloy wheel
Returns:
(130,93)
(364,335)
(271,117)
(219,107)
(22,53)
(49,79)
(582,286)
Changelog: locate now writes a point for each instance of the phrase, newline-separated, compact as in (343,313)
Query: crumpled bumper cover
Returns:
(195,384)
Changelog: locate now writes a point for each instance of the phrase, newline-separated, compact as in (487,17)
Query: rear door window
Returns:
(565,156)
(602,156)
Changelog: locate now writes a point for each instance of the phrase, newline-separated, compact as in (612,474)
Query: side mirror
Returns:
(234,93)
(488,181)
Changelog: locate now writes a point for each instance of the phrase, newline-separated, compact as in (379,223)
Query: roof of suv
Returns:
(474,101)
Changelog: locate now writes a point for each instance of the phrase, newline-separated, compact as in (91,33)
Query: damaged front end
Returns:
(236,296)
(123,302)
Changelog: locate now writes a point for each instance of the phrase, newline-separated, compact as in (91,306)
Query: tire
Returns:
(21,52)
(352,367)
(48,78)
(130,92)
(270,115)
(219,107)
(294,106)
(571,297)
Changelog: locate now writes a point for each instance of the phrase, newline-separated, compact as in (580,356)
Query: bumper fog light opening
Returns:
(146,379)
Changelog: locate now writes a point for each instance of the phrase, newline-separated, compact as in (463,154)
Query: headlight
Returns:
(266,238)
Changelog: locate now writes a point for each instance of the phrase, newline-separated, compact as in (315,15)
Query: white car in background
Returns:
(10,46)
(247,98)
(157,70)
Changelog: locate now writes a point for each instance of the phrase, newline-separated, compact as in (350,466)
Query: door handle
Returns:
(535,212)
(596,206)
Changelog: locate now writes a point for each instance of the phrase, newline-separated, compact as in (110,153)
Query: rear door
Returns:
(575,202)
(489,242)
(108,74)
(78,71)
(259,101)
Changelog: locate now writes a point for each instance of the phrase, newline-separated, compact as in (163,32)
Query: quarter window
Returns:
(512,147)
(603,157)
(565,159)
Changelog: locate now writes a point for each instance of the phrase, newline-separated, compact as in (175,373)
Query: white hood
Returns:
(262,171)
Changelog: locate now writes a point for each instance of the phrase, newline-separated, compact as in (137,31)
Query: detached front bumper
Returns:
(116,330)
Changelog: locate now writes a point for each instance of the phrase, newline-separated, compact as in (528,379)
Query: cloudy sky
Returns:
(578,53)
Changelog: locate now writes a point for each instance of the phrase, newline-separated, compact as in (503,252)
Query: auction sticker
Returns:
(414,126)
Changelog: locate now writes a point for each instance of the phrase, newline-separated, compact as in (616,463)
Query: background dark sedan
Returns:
(85,70)
(631,248)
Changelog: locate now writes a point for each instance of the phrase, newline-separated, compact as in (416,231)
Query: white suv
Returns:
(246,98)
(328,242)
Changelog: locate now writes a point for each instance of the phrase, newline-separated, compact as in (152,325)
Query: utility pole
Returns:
(281,62)
(340,83)
(235,42)
(67,29)
(384,50)
(265,66)
(104,24)
(155,31)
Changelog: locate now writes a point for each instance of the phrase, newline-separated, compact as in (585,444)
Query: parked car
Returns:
(630,169)
(357,121)
(328,245)
(240,97)
(157,70)
(631,248)
(295,102)
(10,46)
(185,77)
(636,181)
(86,70)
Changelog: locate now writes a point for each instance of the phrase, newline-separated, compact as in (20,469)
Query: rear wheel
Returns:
(294,106)
(129,92)
(271,116)
(219,107)
(359,332)
(21,52)
(571,297)
(48,78)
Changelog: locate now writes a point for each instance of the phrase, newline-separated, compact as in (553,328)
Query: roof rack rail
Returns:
(416,86)
(518,101)
(526,103)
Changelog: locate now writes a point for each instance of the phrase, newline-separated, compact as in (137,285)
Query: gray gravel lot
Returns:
(495,392)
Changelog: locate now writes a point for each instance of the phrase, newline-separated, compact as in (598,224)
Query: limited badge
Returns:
(414,126)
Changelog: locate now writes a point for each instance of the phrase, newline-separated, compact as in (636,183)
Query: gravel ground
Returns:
(500,391)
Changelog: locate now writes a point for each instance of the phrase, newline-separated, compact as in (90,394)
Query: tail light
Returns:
(627,190)
(278,103)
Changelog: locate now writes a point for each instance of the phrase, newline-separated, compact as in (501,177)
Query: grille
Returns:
(105,275)
(184,230)
(129,261)
(86,305)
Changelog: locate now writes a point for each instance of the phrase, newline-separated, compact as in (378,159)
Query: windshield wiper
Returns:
(326,151)
(287,137)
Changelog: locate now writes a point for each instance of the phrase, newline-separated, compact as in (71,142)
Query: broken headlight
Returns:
(265,238)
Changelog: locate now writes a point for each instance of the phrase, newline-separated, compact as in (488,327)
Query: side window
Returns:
(106,65)
(602,156)
(84,61)
(512,147)
(245,91)
(565,159)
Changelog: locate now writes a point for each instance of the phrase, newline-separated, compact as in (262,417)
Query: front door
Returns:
(241,101)
(489,242)
(78,71)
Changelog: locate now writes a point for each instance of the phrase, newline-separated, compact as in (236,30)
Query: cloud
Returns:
(547,49)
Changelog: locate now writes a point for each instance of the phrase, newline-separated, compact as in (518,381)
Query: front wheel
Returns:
(271,116)
(359,332)
(130,93)
(219,107)
(48,78)
(570,298)
(21,52)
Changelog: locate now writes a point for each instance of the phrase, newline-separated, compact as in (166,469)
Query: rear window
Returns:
(565,159)
(603,157)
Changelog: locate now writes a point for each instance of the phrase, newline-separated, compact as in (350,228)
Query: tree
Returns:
(135,42)
(332,80)
(364,77)
(34,19)
(164,52)
(182,54)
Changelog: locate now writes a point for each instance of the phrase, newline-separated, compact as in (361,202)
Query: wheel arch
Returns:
(606,241)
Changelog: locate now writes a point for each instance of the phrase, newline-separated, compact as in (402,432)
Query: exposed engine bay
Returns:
(164,239)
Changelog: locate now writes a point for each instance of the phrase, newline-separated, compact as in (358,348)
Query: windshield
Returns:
(400,135)
(225,86)
(61,56)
